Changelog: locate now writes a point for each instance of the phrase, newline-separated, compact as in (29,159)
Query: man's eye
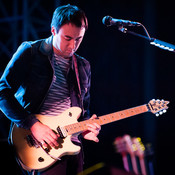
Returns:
(67,38)
(78,39)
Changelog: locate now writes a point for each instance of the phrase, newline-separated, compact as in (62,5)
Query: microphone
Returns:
(109,21)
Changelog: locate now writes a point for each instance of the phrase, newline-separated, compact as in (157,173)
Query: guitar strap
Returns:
(78,81)
(77,73)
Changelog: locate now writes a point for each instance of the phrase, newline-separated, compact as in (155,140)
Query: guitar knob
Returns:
(70,114)
(40,159)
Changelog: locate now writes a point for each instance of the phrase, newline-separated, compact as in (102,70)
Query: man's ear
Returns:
(53,31)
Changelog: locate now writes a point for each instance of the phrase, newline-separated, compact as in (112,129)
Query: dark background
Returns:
(126,70)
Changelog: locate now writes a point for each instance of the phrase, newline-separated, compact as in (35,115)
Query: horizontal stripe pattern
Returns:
(58,97)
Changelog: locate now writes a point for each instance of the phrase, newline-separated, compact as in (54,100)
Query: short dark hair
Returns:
(69,14)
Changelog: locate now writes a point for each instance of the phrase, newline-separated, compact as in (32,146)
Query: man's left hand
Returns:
(93,131)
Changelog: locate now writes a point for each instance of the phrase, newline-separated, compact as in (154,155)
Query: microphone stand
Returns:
(152,41)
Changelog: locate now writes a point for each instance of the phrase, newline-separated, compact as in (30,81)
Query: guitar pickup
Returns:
(62,132)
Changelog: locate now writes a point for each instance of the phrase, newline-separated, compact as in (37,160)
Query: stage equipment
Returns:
(109,21)
(135,155)
(123,24)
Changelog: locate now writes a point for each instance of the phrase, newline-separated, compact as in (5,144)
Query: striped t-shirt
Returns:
(58,97)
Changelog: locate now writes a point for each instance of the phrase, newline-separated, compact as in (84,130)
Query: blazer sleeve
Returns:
(11,80)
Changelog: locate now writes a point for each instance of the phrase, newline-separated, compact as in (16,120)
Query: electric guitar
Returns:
(125,146)
(130,149)
(140,153)
(33,156)
(120,146)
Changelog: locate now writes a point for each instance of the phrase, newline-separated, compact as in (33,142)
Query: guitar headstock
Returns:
(140,148)
(129,145)
(120,146)
(124,144)
(158,107)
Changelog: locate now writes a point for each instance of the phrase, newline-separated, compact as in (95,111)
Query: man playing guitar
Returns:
(46,77)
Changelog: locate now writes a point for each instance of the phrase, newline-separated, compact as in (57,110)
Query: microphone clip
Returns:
(122,29)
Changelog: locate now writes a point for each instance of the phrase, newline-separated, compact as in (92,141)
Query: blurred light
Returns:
(163,45)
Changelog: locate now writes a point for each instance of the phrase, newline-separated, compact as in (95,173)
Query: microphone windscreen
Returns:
(107,20)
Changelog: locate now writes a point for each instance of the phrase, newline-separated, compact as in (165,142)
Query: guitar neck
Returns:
(142,165)
(134,163)
(125,162)
(105,119)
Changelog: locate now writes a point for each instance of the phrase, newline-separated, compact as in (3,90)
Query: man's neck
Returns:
(57,52)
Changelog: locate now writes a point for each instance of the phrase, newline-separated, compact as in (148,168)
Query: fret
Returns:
(99,121)
(104,119)
(113,117)
(122,115)
(81,126)
(84,125)
(74,126)
(68,129)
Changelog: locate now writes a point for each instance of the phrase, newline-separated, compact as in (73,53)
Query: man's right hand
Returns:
(44,134)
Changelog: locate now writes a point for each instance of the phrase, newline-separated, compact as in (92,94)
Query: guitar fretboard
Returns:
(105,119)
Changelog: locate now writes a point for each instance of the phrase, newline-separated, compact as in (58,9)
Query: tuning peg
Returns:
(164,111)
(157,114)
(158,101)
(153,100)
(160,112)
(167,102)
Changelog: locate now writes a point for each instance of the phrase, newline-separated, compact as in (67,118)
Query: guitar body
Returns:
(35,157)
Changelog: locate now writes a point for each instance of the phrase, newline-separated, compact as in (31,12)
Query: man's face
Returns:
(67,40)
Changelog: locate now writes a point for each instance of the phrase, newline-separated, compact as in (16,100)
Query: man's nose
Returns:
(72,44)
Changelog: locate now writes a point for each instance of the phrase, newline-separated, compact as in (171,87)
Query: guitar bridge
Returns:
(62,132)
